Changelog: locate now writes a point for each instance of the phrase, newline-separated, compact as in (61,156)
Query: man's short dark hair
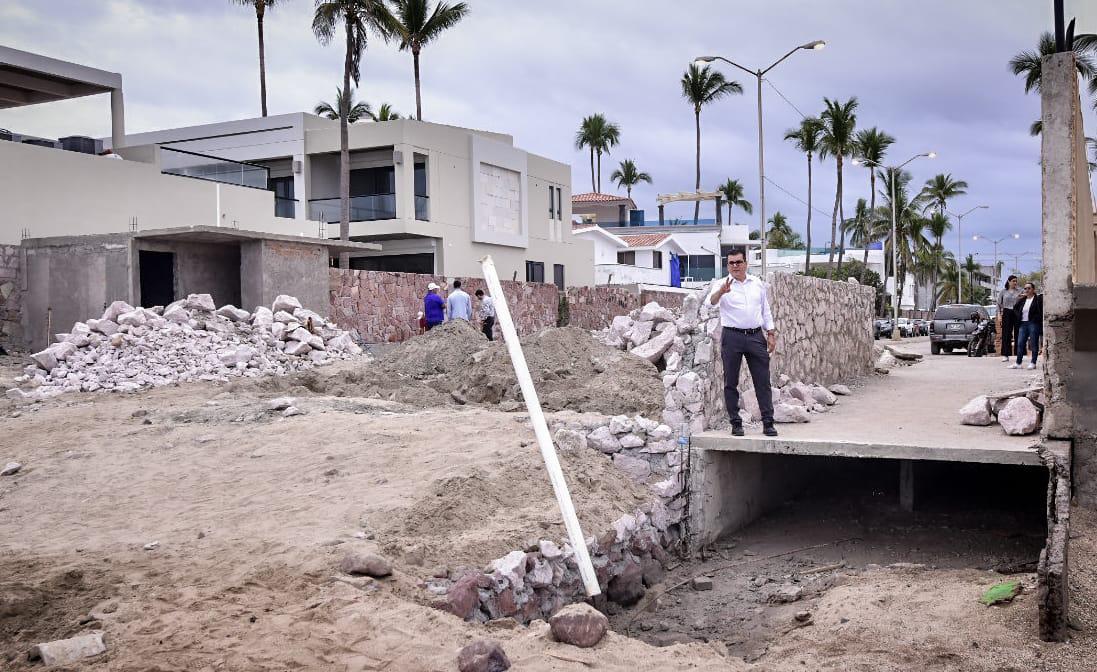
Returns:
(737,251)
(457,284)
(479,292)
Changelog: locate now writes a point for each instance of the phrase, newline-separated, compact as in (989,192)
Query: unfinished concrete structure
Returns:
(68,279)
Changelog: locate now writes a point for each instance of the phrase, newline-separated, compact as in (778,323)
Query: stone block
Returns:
(977,412)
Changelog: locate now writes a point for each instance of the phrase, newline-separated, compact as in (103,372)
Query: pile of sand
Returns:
(455,364)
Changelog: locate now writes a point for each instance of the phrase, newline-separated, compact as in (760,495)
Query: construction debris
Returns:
(129,348)
(10,469)
(1019,417)
(69,651)
(579,625)
(1018,412)
(1001,593)
(483,655)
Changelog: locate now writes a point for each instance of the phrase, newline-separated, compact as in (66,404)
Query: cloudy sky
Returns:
(931,73)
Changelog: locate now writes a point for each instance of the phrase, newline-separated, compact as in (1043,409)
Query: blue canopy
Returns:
(675,271)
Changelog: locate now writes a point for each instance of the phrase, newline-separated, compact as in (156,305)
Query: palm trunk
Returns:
(599,189)
(418,98)
(344,151)
(842,220)
(262,65)
(593,186)
(697,124)
(807,257)
(834,218)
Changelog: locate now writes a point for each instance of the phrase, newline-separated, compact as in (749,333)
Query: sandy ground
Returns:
(253,513)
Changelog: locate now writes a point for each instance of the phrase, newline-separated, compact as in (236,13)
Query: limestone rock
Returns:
(115,309)
(621,424)
(785,593)
(631,440)
(10,469)
(660,433)
(976,412)
(654,348)
(636,468)
(569,440)
(65,652)
(748,401)
(579,625)
(787,413)
(802,392)
(285,302)
(640,333)
(367,564)
(233,313)
(886,361)
(1020,416)
(604,440)
(280,403)
(823,395)
(840,390)
(483,655)
(203,302)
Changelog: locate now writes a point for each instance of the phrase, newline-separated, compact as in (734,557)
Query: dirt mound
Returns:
(455,363)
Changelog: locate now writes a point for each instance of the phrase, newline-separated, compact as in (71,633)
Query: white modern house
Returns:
(602,209)
(629,259)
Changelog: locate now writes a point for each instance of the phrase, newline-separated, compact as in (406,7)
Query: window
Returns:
(284,204)
(559,203)
(626,258)
(535,271)
(552,210)
(656,259)
(699,267)
(373,181)
(558,276)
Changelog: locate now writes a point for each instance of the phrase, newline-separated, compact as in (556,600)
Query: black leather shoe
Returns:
(737,430)
(770,430)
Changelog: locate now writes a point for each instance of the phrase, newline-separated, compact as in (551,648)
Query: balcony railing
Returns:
(422,208)
(212,168)
(285,207)
(362,208)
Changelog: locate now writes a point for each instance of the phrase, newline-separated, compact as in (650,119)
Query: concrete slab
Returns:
(910,414)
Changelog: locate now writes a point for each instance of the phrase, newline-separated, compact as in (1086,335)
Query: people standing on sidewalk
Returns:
(486,314)
(747,332)
(1007,299)
(458,304)
(434,308)
(1029,311)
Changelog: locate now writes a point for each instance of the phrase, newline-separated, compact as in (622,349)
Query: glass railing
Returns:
(285,207)
(422,208)
(212,168)
(362,208)
(701,274)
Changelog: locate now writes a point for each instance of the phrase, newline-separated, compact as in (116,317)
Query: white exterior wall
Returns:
(623,274)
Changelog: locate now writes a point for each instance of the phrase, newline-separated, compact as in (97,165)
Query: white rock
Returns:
(604,440)
(292,411)
(46,359)
(976,412)
(823,395)
(134,318)
(285,303)
(10,468)
(886,361)
(643,424)
(297,348)
(280,403)
(668,488)
(640,333)
(660,433)
(802,392)
(115,309)
(67,652)
(177,313)
(569,440)
(203,302)
(1020,416)
(654,348)
(840,390)
(637,469)
(233,313)
(631,441)
(621,424)
(241,355)
(285,318)
(262,316)
(789,413)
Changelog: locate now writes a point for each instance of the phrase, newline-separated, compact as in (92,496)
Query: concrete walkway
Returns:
(912,413)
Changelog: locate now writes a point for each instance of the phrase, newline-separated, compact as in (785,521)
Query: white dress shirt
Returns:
(746,306)
(1024,309)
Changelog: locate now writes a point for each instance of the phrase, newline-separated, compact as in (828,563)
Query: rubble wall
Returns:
(11,297)
(383,307)
(595,307)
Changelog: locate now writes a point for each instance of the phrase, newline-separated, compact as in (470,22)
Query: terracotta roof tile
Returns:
(644,239)
(592,197)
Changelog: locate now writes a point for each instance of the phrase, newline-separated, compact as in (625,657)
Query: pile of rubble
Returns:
(131,348)
(1019,412)
(889,357)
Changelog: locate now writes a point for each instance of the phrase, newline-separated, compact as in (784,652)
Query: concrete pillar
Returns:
(302,188)
(117,119)
(719,212)
(906,485)
(405,181)
(660,214)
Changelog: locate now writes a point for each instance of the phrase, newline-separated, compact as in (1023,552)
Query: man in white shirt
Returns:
(458,304)
(747,332)
(487,314)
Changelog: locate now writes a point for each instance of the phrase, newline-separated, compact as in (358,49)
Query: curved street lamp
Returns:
(814,45)
(1012,236)
(959,246)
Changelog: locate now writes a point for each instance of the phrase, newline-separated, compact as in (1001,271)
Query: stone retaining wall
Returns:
(595,307)
(11,297)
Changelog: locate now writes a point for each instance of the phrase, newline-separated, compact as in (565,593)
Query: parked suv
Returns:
(881,329)
(952,326)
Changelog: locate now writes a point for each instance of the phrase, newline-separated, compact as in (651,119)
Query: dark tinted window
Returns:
(958,312)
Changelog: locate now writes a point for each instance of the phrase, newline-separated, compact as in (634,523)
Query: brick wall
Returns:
(11,297)
(382,307)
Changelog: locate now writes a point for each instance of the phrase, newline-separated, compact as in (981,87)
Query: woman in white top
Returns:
(1029,310)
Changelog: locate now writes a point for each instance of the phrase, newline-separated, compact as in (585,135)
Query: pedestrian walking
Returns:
(1029,311)
(1007,299)
(458,304)
(747,332)
(487,314)
(434,308)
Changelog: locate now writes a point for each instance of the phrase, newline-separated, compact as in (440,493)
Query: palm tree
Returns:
(941,188)
(384,113)
(733,193)
(261,7)
(359,18)
(701,86)
(416,25)
(909,224)
(599,135)
(627,175)
(357,109)
(840,140)
(781,233)
(1029,63)
(808,139)
(938,225)
(949,282)
(865,228)
(872,147)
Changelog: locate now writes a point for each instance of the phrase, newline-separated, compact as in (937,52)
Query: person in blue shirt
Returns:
(433,307)
(458,305)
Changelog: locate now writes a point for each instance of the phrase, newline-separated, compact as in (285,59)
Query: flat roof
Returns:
(27,79)
(911,414)
(207,234)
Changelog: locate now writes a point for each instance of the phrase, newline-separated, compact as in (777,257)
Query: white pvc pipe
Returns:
(540,428)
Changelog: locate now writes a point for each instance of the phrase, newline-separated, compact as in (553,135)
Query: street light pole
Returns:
(959,250)
(895,335)
(758,75)
(1013,236)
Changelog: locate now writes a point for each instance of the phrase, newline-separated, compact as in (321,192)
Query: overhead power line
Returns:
(785,98)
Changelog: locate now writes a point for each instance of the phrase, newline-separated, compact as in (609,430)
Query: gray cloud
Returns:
(931,73)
